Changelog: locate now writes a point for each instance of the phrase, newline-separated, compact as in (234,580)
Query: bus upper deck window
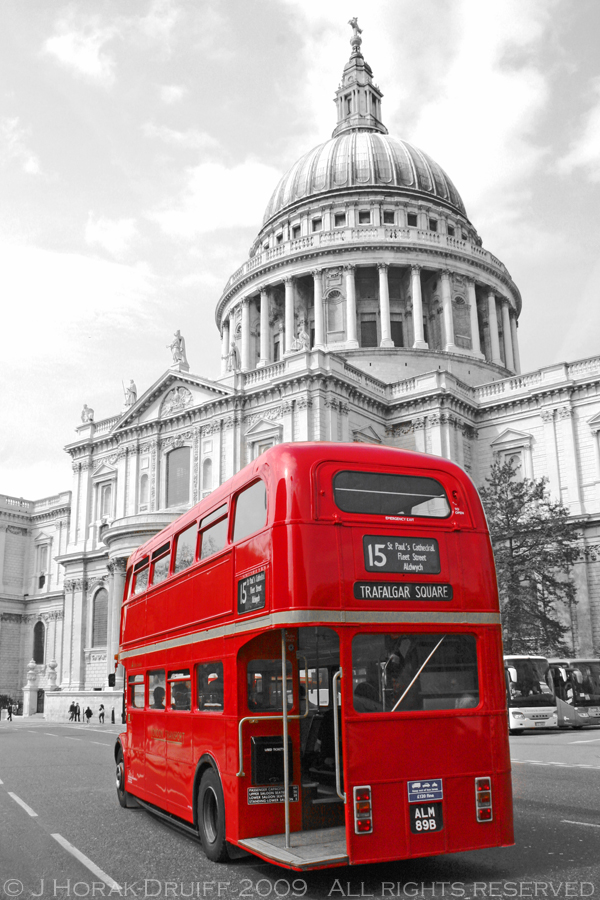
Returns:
(140,576)
(161,560)
(213,530)
(185,549)
(386,494)
(250,511)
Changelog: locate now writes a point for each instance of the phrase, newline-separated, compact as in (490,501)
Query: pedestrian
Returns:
(9,710)
(72,712)
(77,713)
(101,714)
(88,715)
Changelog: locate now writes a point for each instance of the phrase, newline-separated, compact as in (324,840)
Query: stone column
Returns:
(449,344)
(515,341)
(571,462)
(318,294)
(384,306)
(265,330)
(417,304)
(245,363)
(224,346)
(494,337)
(472,295)
(351,335)
(117,568)
(289,313)
(551,450)
(507,336)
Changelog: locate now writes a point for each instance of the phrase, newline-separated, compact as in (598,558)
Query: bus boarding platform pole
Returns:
(286,771)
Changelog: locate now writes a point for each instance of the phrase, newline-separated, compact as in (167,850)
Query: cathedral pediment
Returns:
(175,392)
(366,435)
(510,437)
(105,471)
(594,422)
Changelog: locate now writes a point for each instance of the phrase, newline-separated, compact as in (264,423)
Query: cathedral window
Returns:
(43,555)
(411,219)
(279,238)
(295,232)
(39,634)
(451,230)
(340,220)
(100,619)
(207,477)
(388,217)
(178,477)
(317,224)
(397,333)
(143,492)
(368,331)
(364,217)
(105,491)
(433,225)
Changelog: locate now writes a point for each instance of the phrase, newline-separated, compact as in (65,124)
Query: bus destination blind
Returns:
(403,555)
(401,590)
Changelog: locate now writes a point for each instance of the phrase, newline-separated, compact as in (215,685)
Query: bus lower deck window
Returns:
(400,672)
(264,684)
(137,697)
(156,689)
(388,494)
(210,686)
(180,690)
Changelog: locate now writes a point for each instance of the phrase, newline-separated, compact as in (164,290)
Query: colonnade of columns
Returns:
(239,357)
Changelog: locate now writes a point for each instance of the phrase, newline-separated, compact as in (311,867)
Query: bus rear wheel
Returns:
(211,817)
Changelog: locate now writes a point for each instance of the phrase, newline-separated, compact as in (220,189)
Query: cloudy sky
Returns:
(140,141)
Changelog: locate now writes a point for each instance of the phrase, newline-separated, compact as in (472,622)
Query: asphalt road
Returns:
(63,834)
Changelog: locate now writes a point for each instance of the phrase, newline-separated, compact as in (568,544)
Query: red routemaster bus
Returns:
(313,663)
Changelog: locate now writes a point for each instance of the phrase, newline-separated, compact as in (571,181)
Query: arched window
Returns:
(144,490)
(38,642)
(100,619)
(207,476)
(105,500)
(178,477)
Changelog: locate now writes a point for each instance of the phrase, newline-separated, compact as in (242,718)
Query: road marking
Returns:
(589,824)
(589,741)
(72,739)
(87,862)
(1,782)
(100,743)
(22,803)
(49,733)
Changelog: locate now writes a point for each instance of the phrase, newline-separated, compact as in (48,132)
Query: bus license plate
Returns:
(426,817)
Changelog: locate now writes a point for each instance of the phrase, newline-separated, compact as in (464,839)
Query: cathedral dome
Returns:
(363,159)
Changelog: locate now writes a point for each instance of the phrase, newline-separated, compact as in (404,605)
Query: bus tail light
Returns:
(363,813)
(483,799)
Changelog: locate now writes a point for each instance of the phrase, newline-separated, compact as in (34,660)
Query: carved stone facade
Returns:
(365,312)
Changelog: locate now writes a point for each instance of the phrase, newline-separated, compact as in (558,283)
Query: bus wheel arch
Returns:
(210,813)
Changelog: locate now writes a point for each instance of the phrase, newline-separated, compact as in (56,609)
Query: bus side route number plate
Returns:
(426,817)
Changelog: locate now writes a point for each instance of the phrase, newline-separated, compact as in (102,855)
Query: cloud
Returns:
(113,235)
(192,138)
(81,47)
(584,151)
(13,146)
(59,300)
(172,93)
(217,197)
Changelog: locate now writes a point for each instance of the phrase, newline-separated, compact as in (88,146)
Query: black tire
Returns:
(126,800)
(211,817)
(515,731)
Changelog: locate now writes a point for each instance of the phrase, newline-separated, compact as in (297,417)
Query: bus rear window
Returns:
(384,494)
(402,672)
(264,685)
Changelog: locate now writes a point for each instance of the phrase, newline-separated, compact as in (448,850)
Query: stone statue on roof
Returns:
(177,348)
(356,39)
(87,414)
(130,393)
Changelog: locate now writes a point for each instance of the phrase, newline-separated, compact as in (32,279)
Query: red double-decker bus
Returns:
(313,663)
